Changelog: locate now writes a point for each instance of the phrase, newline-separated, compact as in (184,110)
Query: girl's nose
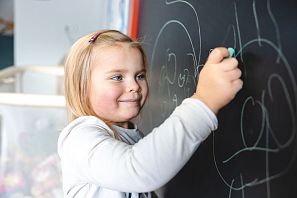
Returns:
(133,86)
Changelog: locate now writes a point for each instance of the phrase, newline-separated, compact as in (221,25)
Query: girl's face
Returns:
(118,86)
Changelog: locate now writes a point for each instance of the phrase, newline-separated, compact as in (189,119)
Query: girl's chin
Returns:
(125,122)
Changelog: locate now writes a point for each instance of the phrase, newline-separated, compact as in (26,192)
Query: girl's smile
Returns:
(134,98)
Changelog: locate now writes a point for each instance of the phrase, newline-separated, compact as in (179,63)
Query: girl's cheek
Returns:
(112,93)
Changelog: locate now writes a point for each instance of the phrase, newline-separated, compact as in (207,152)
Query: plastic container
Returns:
(32,114)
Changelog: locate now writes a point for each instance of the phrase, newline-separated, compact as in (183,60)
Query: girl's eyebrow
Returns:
(124,71)
(116,71)
(142,70)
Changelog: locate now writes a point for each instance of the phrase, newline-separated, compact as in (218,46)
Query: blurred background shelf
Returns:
(31,118)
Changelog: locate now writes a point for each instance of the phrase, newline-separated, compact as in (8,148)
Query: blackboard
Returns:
(253,152)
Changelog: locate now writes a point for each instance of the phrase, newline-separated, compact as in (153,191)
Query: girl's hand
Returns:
(219,80)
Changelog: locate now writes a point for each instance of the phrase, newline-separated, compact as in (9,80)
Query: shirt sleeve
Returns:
(91,155)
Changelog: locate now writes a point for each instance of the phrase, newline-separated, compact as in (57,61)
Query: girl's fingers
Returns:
(229,64)
(234,74)
(237,85)
(217,55)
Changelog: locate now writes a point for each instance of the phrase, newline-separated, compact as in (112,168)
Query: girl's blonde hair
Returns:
(78,69)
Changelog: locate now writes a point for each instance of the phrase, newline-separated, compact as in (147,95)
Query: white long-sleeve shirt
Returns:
(95,165)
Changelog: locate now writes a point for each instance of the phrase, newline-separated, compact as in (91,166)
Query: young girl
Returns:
(103,154)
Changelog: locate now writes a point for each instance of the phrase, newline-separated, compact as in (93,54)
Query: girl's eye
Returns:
(117,77)
(140,76)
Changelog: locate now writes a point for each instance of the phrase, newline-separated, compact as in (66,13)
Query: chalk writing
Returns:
(266,130)
(245,153)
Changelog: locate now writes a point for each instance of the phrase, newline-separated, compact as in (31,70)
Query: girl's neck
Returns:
(126,125)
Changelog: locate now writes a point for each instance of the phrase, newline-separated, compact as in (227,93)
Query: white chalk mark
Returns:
(256,21)
(199,31)
(278,40)
(238,29)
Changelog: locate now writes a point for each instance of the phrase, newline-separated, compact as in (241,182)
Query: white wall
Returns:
(45,29)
